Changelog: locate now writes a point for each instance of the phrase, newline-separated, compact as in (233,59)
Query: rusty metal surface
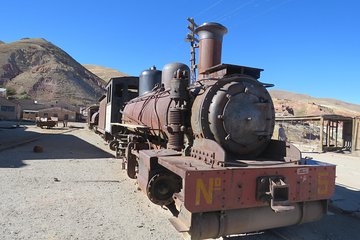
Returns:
(208,151)
(133,127)
(229,222)
(237,112)
(222,70)
(219,188)
(222,173)
(247,117)
(210,45)
(180,165)
(280,150)
(147,162)
(169,70)
(149,110)
(209,54)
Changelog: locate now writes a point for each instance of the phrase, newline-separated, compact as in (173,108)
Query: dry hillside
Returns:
(38,69)
(303,135)
(104,73)
(288,103)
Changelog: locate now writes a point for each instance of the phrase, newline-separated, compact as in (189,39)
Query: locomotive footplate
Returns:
(209,188)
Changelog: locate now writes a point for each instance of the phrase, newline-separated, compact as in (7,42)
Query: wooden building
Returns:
(356,136)
(32,109)
(9,110)
(30,115)
(336,132)
(59,112)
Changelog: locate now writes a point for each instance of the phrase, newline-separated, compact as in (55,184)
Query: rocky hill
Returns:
(104,73)
(295,104)
(37,69)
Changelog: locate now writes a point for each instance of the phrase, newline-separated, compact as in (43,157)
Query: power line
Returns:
(208,8)
(233,12)
(270,9)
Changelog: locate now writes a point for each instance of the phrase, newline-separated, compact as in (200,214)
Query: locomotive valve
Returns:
(178,94)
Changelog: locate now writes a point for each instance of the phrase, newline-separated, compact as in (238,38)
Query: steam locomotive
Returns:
(204,149)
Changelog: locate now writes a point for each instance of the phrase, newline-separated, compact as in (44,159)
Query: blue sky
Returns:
(305,46)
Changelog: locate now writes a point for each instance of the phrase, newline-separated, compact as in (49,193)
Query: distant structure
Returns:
(9,110)
(335,132)
(356,136)
(3,92)
(29,109)
(57,112)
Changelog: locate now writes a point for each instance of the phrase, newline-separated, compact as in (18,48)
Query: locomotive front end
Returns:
(237,112)
(205,150)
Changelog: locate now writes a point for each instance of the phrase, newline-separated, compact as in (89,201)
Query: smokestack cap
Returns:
(211,30)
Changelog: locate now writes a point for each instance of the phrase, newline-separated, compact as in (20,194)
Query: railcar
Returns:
(119,91)
(92,116)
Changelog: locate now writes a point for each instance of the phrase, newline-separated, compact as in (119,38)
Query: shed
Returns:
(356,136)
(59,112)
(30,114)
(335,131)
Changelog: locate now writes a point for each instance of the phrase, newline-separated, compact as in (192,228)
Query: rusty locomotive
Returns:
(204,149)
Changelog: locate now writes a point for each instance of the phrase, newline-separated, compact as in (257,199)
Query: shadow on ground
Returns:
(343,224)
(54,146)
(346,200)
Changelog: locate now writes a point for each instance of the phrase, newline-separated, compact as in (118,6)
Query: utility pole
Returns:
(193,44)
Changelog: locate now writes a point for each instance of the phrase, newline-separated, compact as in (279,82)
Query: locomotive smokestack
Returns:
(210,45)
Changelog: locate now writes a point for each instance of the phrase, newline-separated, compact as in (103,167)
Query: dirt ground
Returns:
(75,189)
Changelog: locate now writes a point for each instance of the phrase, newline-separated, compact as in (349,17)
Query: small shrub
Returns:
(10,91)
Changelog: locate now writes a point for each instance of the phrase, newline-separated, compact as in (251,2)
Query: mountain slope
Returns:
(104,73)
(289,103)
(40,70)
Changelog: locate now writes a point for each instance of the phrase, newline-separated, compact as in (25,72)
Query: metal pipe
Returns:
(210,44)
(216,224)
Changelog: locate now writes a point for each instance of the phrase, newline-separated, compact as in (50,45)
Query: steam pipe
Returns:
(178,94)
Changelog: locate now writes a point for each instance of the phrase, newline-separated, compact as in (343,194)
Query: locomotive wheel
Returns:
(161,187)
(113,144)
(131,166)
